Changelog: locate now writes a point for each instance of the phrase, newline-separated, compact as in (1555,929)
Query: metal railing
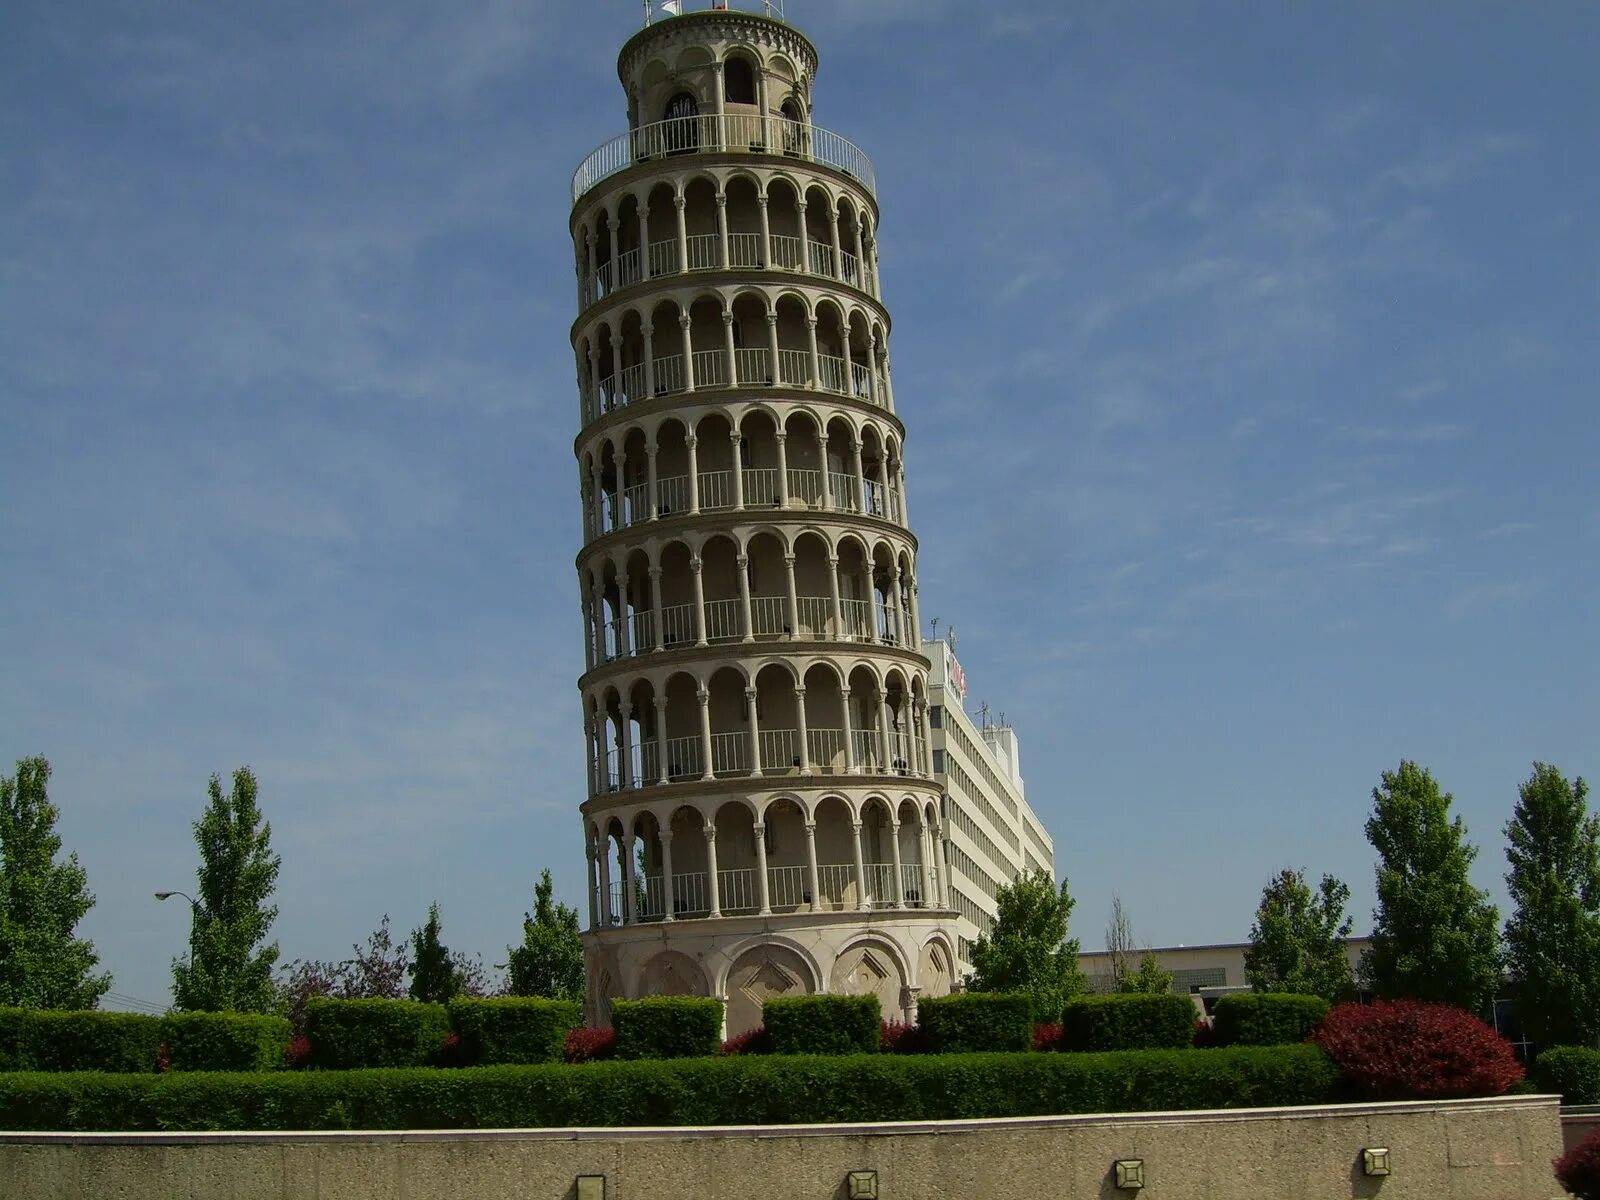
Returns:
(736,890)
(716,490)
(815,614)
(744,249)
(683,758)
(788,887)
(664,257)
(836,886)
(677,625)
(913,880)
(761,487)
(805,486)
(769,615)
(724,621)
(753,365)
(842,485)
(880,884)
(794,368)
(786,252)
(780,751)
(710,368)
(730,754)
(713,133)
(825,748)
(705,251)
(750,367)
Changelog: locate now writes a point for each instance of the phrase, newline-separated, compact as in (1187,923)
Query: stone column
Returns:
(667,899)
(827,483)
(644,251)
(704,696)
(883,729)
(894,604)
(899,890)
(624,634)
(616,367)
(743,565)
(713,884)
(800,729)
(863,901)
(660,613)
(812,873)
(684,324)
(861,258)
(861,473)
(835,608)
(794,600)
(653,496)
(766,232)
(722,228)
(695,565)
(905,510)
(805,236)
(692,443)
(772,348)
(850,766)
(728,348)
(755,731)
(625,750)
(649,332)
(738,471)
(872,372)
(661,740)
(680,203)
(838,251)
(630,897)
(761,869)
(783,469)
(595,405)
(594,885)
(589,292)
(816,355)
(605,881)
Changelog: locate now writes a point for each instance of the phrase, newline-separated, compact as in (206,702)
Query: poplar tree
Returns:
(1435,936)
(549,962)
(1553,937)
(229,964)
(1297,943)
(42,965)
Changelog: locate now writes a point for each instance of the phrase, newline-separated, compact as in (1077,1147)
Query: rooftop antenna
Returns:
(983,715)
(936,629)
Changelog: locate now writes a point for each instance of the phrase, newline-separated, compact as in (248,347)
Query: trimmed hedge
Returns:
(1128,1022)
(788,1089)
(667,1027)
(204,1041)
(1267,1018)
(514,1029)
(348,1035)
(822,1024)
(1573,1071)
(49,1040)
(971,1022)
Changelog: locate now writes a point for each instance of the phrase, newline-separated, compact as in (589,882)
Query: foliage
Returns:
(225,1041)
(667,1027)
(513,1029)
(900,1037)
(1553,938)
(1267,1018)
(1151,979)
(590,1044)
(1415,1050)
(976,1021)
(550,960)
(1028,950)
(1573,1072)
(34,1039)
(740,1090)
(751,1041)
(1434,936)
(435,978)
(1128,1021)
(351,1034)
(1120,942)
(1297,944)
(42,965)
(229,964)
(822,1024)
(1047,1037)
(1579,1168)
(375,971)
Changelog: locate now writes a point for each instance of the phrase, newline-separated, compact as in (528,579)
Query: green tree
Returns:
(229,964)
(42,965)
(1028,949)
(1151,979)
(1297,943)
(1435,936)
(549,962)
(434,974)
(1553,937)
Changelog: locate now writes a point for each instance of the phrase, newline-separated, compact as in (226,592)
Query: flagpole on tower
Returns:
(647,13)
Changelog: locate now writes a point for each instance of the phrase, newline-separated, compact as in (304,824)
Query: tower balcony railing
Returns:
(723,133)
(789,889)
(703,252)
(777,753)
(749,368)
(759,489)
(812,620)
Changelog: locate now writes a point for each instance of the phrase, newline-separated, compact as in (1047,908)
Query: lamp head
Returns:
(163,895)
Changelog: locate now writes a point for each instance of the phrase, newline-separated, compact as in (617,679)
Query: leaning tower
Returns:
(762,818)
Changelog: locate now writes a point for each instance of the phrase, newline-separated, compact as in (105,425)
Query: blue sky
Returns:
(1248,353)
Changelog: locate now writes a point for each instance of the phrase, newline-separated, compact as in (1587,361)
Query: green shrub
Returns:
(667,1027)
(1267,1018)
(822,1024)
(201,1041)
(514,1029)
(49,1040)
(347,1035)
(976,1021)
(771,1089)
(1571,1071)
(1128,1022)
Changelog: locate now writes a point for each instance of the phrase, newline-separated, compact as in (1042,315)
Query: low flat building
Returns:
(1196,970)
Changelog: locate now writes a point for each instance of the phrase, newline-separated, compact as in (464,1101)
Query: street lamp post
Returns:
(195,912)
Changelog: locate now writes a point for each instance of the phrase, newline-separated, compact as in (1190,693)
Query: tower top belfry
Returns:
(763,817)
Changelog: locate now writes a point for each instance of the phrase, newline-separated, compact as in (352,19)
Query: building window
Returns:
(938,762)
(739,81)
(936,716)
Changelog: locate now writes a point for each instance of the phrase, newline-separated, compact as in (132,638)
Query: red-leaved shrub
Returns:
(297,1054)
(1412,1050)
(751,1041)
(163,1059)
(1048,1036)
(591,1044)
(452,1051)
(1579,1168)
(1205,1034)
(898,1037)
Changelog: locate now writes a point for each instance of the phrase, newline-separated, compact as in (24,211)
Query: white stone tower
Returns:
(762,816)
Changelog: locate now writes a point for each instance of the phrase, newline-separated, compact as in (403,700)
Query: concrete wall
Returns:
(1457,1150)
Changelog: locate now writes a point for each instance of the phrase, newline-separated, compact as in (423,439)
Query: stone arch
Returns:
(761,973)
(935,968)
(672,973)
(872,966)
